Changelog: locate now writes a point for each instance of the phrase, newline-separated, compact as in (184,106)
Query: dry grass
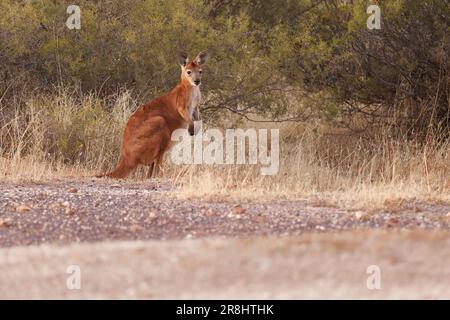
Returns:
(338,170)
(73,135)
(44,136)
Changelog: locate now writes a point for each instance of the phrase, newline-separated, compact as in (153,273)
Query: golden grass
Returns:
(70,135)
(347,174)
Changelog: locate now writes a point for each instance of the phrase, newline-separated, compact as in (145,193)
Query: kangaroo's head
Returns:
(191,71)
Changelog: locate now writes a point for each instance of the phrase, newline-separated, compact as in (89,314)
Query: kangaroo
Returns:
(147,134)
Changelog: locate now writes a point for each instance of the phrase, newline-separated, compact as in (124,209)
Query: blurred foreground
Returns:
(413,265)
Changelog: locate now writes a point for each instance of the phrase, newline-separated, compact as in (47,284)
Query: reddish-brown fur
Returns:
(148,132)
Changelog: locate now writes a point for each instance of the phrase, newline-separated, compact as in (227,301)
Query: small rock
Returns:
(361,215)
(392,222)
(135,228)
(41,196)
(5,223)
(261,219)
(23,208)
(73,190)
(237,209)
(446,217)
(212,213)
(55,205)
(70,211)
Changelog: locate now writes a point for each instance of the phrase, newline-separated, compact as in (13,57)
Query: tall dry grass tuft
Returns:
(68,134)
(41,135)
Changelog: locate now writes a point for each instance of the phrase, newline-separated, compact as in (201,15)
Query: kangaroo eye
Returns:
(189,72)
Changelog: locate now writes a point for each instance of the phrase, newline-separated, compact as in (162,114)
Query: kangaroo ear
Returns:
(201,58)
(182,58)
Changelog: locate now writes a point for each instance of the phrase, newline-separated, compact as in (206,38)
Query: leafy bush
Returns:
(398,75)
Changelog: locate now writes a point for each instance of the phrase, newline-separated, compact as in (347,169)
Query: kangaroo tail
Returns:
(122,171)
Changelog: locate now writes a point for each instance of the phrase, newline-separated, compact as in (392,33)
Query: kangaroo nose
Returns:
(197,82)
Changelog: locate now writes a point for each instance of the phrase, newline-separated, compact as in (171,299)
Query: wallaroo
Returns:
(148,132)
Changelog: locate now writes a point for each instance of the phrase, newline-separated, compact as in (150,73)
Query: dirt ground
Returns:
(137,240)
(413,265)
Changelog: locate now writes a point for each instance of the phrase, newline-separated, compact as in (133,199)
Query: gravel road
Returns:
(64,212)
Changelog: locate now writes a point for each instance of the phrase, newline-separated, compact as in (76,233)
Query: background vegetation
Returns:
(266,55)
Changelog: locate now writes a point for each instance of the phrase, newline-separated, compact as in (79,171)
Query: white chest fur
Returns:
(194,100)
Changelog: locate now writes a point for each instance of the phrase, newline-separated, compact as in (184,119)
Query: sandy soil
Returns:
(137,240)
(412,264)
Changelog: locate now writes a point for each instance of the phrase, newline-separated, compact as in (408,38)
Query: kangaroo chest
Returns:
(194,100)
